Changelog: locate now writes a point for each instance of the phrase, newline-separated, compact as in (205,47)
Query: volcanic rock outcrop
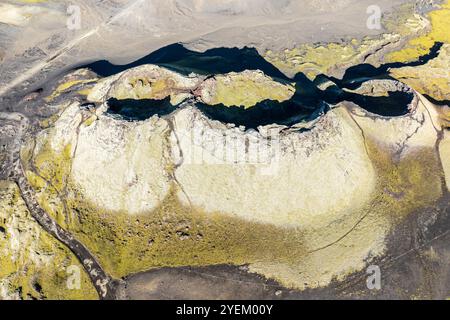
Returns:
(26,252)
(433,78)
(302,204)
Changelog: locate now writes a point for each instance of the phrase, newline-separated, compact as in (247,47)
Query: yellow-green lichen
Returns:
(174,235)
(144,88)
(47,172)
(85,92)
(89,121)
(325,58)
(439,32)
(406,184)
(432,78)
(33,264)
(48,122)
(313,60)
(53,167)
(63,87)
(246,89)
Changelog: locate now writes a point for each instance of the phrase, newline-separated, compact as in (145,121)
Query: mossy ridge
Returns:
(80,77)
(419,46)
(324,58)
(249,89)
(48,198)
(48,122)
(410,185)
(53,166)
(311,60)
(37,270)
(432,78)
(65,86)
(407,184)
(47,172)
(141,88)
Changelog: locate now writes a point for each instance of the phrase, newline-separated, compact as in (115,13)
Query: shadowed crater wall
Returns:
(307,102)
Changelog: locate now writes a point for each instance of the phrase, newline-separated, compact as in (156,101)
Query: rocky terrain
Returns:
(279,169)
